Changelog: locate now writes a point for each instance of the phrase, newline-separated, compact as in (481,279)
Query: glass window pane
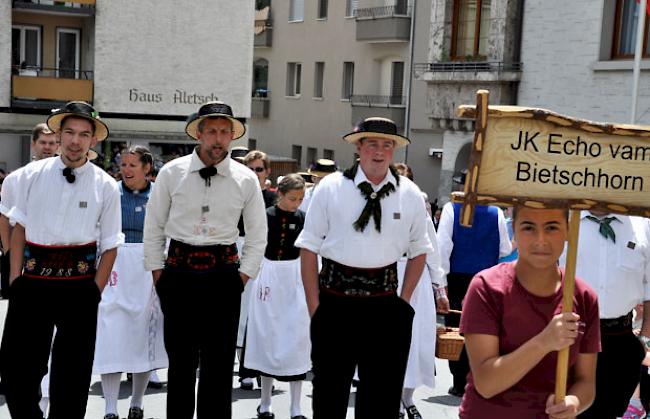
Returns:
(31,47)
(465,28)
(627,25)
(15,47)
(67,55)
(484,34)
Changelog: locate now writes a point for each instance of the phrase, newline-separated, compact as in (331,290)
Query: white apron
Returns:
(129,322)
(277,340)
(420,367)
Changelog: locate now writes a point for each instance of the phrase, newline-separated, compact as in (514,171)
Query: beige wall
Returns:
(5,53)
(306,121)
(169,57)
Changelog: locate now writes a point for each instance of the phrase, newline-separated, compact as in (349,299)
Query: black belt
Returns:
(617,325)
(186,257)
(59,262)
(339,279)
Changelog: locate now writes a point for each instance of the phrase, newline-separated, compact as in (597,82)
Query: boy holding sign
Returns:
(513,325)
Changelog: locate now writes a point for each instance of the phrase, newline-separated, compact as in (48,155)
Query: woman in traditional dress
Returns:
(277,339)
(130,323)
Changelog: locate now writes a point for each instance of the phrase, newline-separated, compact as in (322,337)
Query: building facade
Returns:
(144,67)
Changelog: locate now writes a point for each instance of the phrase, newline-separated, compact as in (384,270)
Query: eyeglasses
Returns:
(257,169)
(69,175)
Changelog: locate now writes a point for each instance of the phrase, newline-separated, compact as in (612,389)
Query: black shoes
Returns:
(298,417)
(453,391)
(136,413)
(264,415)
(111,416)
(412,412)
(246,385)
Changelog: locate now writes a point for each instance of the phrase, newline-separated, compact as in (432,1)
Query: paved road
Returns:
(432,403)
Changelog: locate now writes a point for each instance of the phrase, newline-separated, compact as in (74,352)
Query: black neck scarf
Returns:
(69,175)
(605,229)
(206,174)
(373,199)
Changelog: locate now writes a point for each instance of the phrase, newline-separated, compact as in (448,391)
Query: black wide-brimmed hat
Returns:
(81,110)
(322,168)
(238,153)
(214,109)
(379,128)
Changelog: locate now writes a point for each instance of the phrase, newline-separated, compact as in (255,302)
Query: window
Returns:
(322,9)
(351,7)
(296,10)
(397,83)
(67,53)
(26,47)
(312,154)
(319,72)
(296,153)
(627,17)
(348,80)
(294,71)
(328,154)
(252,144)
(471,28)
(260,78)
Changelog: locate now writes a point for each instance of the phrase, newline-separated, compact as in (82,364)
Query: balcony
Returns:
(43,88)
(384,24)
(365,106)
(263,33)
(453,83)
(260,107)
(79,8)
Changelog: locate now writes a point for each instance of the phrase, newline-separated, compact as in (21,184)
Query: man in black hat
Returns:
(55,278)
(197,203)
(317,172)
(361,222)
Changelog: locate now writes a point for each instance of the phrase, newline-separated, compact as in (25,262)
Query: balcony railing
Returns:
(84,8)
(468,66)
(263,33)
(54,3)
(60,72)
(377,101)
(383,11)
(260,104)
(30,84)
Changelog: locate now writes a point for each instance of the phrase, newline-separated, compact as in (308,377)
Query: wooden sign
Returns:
(542,159)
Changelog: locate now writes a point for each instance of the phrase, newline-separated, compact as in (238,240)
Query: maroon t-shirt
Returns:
(497,304)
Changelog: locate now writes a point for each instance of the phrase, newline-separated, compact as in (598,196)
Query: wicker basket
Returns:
(449,343)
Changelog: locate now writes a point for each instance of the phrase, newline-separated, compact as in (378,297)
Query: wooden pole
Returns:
(562,370)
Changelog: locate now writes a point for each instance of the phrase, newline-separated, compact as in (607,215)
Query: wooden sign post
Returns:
(541,159)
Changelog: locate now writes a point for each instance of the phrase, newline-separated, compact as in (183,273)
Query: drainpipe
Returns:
(407,112)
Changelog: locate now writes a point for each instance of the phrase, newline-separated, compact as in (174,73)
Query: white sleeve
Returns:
(433,258)
(254,215)
(316,222)
(419,242)
(445,236)
(110,219)
(154,223)
(505,246)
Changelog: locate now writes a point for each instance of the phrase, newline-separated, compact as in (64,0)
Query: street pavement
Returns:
(432,403)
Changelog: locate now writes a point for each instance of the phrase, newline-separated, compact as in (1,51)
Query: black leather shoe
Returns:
(246,385)
(111,416)
(298,417)
(456,392)
(412,412)
(136,413)
(156,385)
(264,415)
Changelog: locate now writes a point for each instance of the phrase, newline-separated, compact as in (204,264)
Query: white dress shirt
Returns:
(56,212)
(446,233)
(309,193)
(618,272)
(8,193)
(433,257)
(182,207)
(336,205)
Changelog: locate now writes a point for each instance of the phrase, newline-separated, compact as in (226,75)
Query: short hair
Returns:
(257,155)
(66,118)
(143,154)
(291,182)
(201,124)
(40,129)
(404,170)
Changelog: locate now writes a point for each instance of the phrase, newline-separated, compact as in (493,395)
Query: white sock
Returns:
(153,377)
(295,390)
(140,381)
(45,401)
(111,390)
(247,381)
(407,397)
(266,390)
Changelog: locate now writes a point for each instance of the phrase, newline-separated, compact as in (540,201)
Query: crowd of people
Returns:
(340,273)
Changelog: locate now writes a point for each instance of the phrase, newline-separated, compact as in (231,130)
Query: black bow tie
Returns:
(206,174)
(373,205)
(69,175)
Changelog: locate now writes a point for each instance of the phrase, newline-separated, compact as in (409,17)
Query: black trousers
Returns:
(4,275)
(201,314)
(36,306)
(617,375)
(457,285)
(373,334)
